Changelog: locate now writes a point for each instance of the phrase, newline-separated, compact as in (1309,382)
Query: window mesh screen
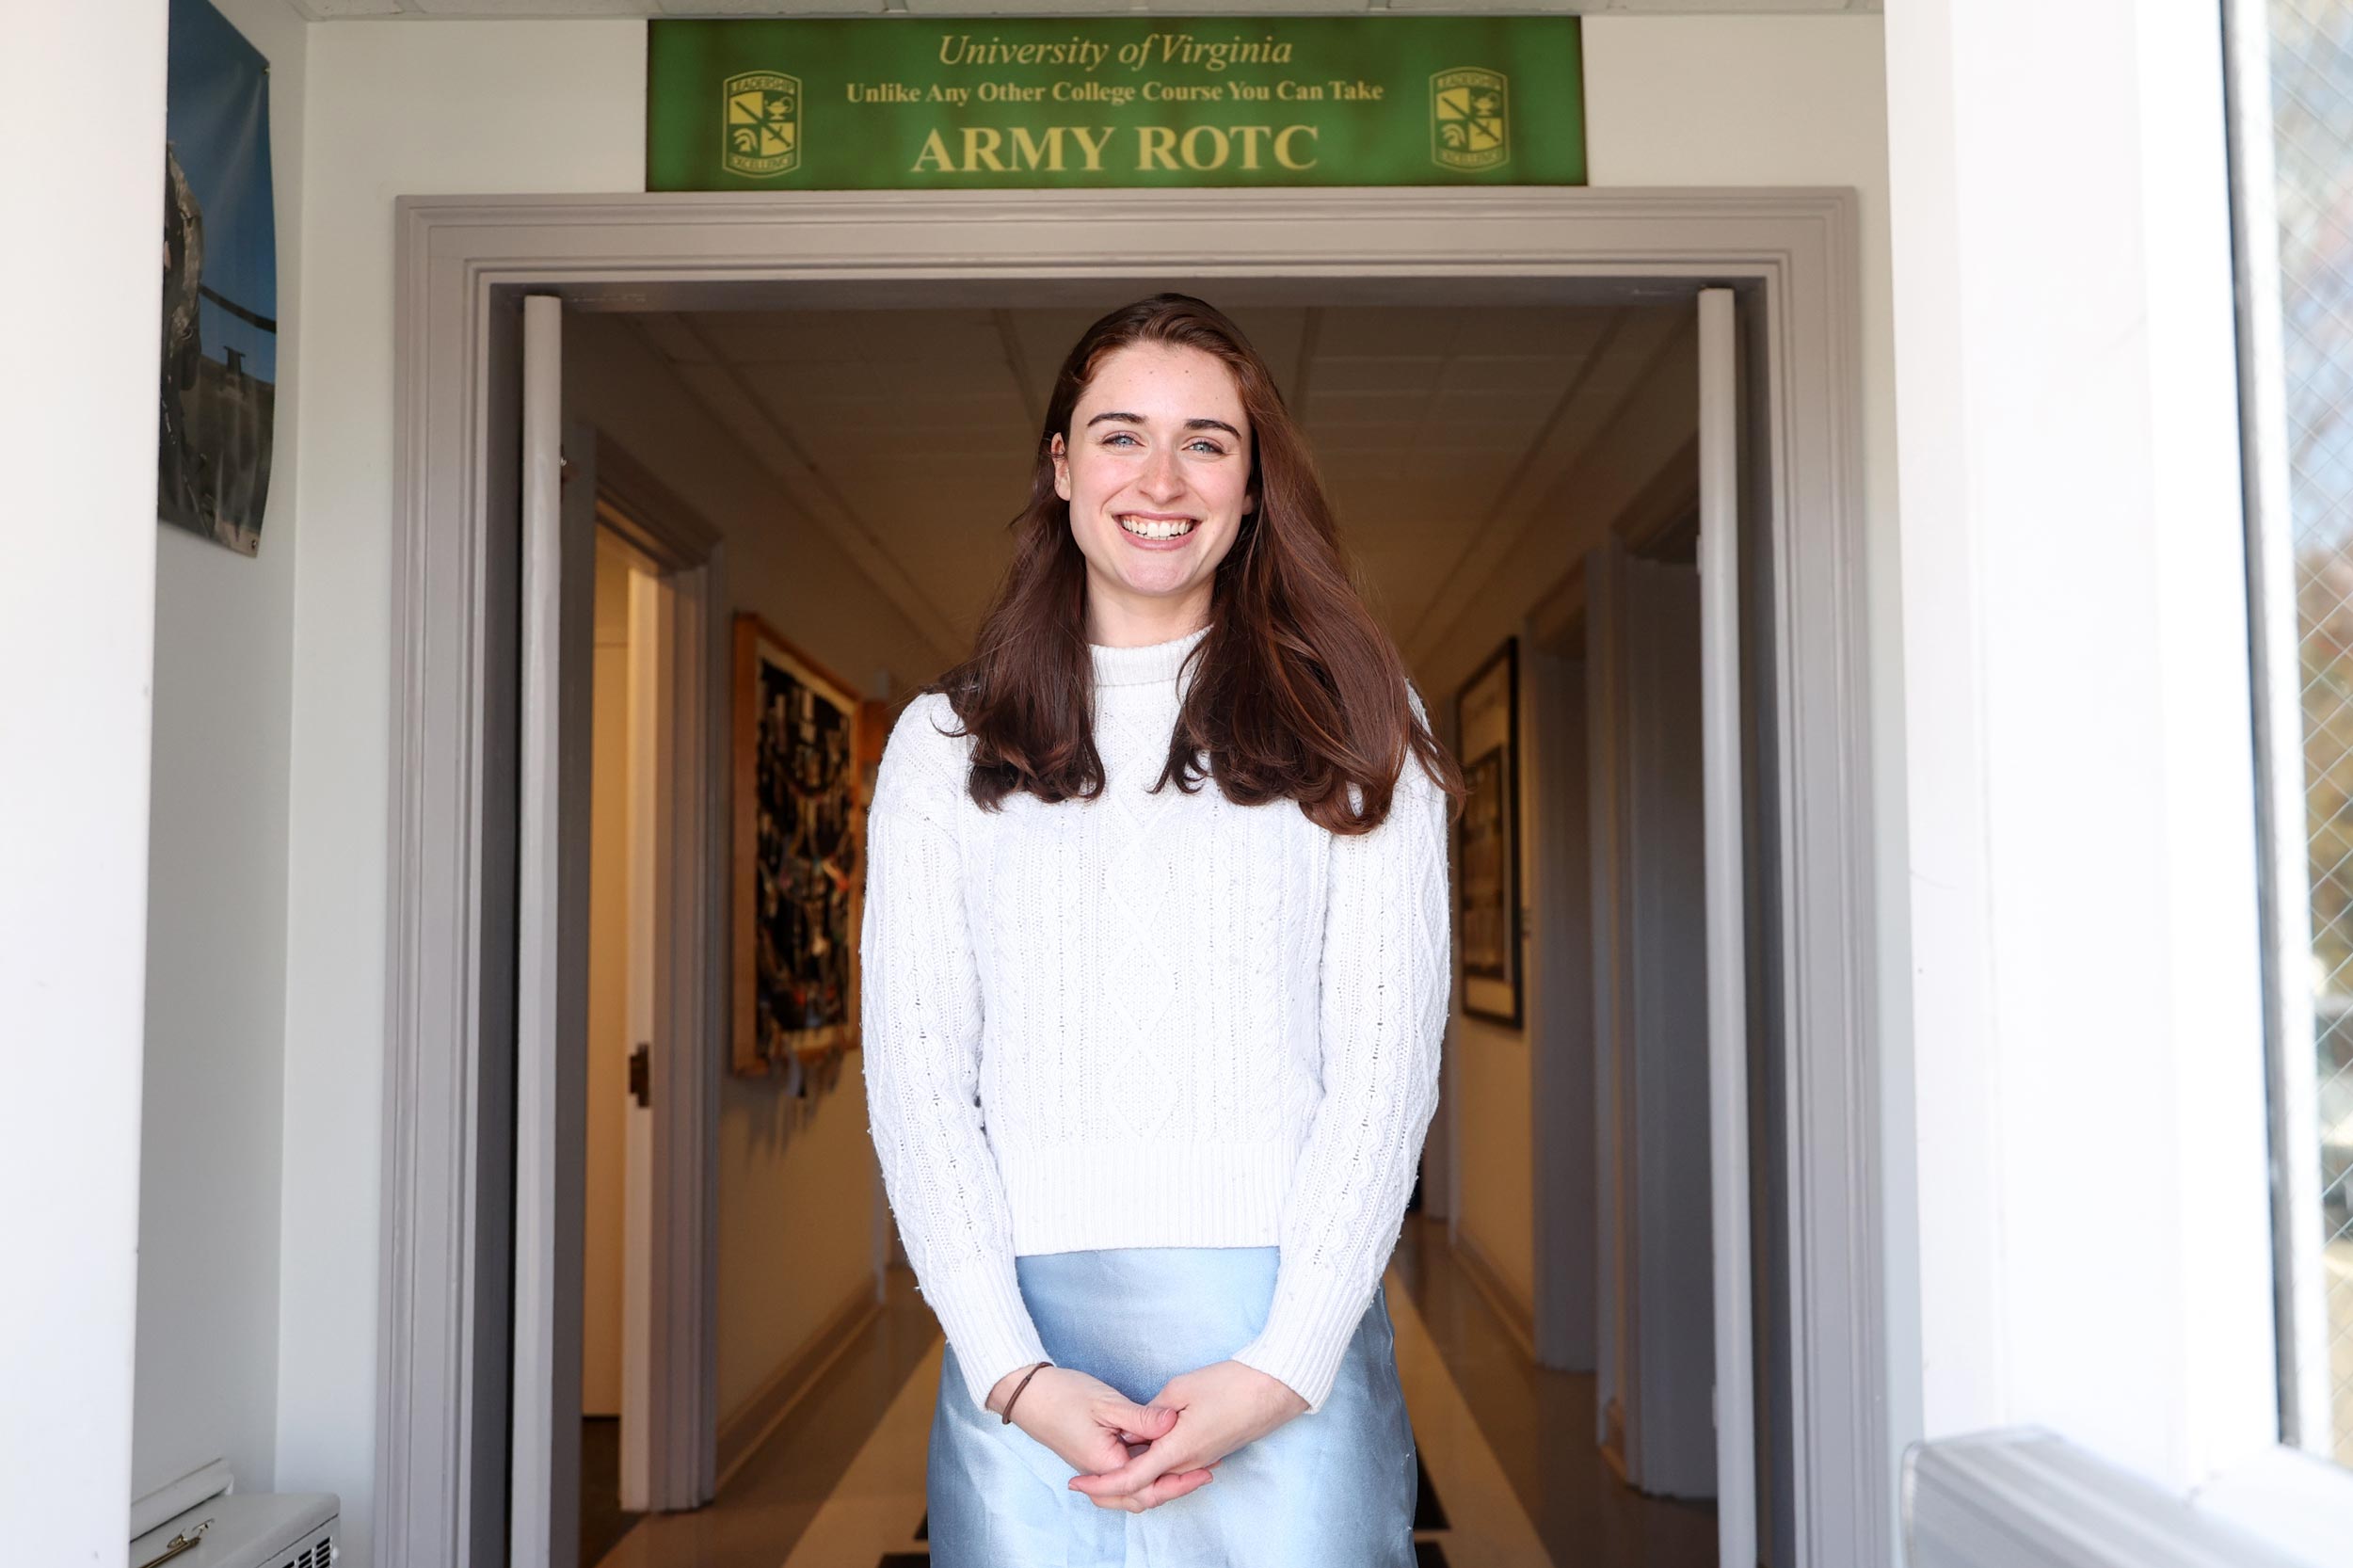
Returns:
(2311,91)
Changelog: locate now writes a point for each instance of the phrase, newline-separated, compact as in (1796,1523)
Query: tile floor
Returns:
(1511,1477)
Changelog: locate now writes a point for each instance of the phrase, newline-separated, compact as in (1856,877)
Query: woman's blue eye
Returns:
(1202,443)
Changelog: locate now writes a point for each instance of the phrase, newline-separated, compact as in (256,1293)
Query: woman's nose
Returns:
(1161,476)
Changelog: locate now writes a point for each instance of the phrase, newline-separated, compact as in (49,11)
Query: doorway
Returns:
(1786,258)
(1437,428)
(609,1187)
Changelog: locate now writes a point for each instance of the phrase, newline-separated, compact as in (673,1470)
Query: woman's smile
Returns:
(1155,530)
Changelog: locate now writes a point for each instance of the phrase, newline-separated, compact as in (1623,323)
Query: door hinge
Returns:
(641,1074)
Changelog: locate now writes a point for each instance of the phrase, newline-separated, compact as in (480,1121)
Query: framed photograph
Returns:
(798,856)
(219,258)
(1488,857)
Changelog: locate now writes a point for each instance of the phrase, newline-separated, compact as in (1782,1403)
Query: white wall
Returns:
(2090,1114)
(207,1384)
(394,108)
(76,635)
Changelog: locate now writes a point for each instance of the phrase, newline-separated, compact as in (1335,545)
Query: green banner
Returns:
(898,104)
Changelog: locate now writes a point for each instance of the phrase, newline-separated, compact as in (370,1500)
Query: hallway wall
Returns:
(797,1192)
(439,108)
(1492,1075)
(206,1381)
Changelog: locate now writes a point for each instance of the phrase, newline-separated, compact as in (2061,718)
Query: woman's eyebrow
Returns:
(1138,419)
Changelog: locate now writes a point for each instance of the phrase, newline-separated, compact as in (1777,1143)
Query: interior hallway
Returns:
(1512,1477)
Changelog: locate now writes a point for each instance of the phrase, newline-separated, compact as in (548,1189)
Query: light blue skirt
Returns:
(1331,1490)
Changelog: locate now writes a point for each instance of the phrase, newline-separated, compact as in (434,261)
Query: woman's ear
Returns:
(1062,468)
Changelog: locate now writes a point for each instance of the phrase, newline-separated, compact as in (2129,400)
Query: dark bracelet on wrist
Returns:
(1007,1415)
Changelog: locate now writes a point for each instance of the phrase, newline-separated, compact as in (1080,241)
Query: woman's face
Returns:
(1156,472)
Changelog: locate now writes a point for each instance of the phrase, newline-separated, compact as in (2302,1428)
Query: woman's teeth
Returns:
(1158,528)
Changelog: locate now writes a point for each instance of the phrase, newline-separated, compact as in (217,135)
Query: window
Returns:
(2295,198)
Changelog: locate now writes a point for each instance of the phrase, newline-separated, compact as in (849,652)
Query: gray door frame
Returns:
(462,265)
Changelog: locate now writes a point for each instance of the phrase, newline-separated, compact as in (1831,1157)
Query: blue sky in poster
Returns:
(217,115)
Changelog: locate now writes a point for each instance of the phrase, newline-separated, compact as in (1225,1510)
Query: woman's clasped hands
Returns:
(1136,1457)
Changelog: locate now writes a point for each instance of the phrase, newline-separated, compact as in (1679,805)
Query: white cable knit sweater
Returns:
(1147,1020)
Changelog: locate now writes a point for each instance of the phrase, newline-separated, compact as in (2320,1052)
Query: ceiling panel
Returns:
(1326,407)
(1328,372)
(1515,333)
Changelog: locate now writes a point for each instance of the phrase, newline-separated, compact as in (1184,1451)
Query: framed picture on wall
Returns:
(798,856)
(219,398)
(1487,850)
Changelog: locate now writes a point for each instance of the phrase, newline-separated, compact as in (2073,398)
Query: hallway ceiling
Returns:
(329,10)
(1442,434)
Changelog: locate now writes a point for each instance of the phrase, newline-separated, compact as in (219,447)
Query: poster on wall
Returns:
(971,103)
(798,862)
(220,389)
(1487,734)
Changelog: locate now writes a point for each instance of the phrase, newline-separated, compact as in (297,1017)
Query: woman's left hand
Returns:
(1219,1409)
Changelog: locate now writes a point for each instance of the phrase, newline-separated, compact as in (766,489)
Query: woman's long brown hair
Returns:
(1297,692)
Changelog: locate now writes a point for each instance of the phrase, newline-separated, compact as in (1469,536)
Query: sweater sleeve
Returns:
(1386,978)
(919,997)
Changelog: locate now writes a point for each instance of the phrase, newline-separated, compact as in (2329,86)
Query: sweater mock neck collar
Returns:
(1148,665)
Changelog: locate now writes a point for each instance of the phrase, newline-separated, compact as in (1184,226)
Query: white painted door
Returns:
(1727,949)
(551,943)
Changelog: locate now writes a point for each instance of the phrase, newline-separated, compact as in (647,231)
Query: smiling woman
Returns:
(1158,484)
(1149,1068)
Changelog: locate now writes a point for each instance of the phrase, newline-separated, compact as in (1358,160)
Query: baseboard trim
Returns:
(1519,1316)
(742,1429)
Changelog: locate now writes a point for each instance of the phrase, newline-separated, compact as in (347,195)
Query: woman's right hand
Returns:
(1093,1427)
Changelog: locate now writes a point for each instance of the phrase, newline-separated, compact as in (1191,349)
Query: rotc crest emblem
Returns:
(763,131)
(1470,127)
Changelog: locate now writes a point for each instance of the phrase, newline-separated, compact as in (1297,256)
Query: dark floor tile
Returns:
(601,1521)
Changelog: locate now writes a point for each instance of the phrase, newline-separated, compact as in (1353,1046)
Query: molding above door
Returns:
(330,11)
(463,263)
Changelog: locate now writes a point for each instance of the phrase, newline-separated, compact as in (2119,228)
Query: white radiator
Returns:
(263,1529)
